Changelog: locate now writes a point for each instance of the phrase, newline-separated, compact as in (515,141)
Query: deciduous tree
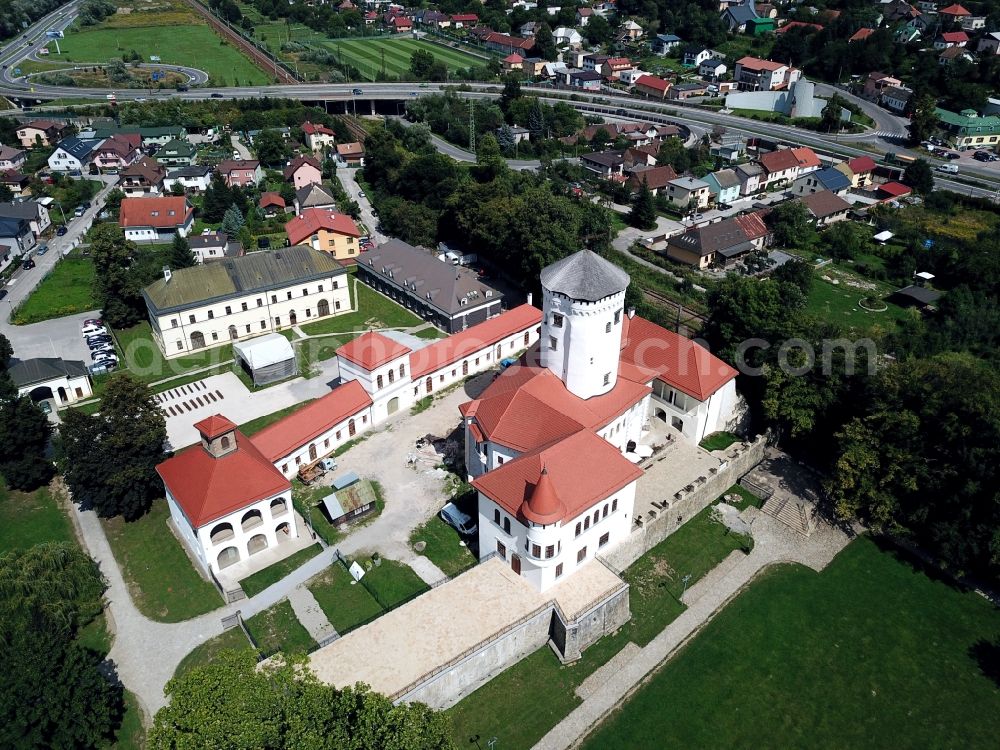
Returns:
(919,176)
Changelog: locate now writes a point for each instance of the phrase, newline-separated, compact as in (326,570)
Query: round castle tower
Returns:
(583,300)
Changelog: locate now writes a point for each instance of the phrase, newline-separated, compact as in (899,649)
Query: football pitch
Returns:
(369,55)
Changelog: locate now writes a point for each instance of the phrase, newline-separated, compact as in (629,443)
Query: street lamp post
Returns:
(685,579)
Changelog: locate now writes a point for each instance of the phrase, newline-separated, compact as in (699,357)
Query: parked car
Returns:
(461,522)
(357,92)
(79,212)
(947,168)
(42,249)
(94,321)
(952,155)
(89,329)
(28,264)
(104,357)
(61,230)
(3,293)
(101,344)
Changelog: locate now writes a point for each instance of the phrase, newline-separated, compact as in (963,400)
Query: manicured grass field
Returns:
(747,498)
(444,546)
(145,360)
(30,518)
(161,578)
(193,44)
(366,55)
(345,603)
(527,700)
(839,304)
(208,651)
(373,310)
(278,629)
(66,290)
(719,441)
(253,585)
(872,652)
(393,583)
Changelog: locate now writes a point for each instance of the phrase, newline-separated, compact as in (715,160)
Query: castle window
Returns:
(553,344)
(536,550)
(607,328)
(506,525)
(559,570)
(614,505)
(496,516)
(603,540)
(581,555)
(607,378)
(578,528)
(550,551)
(557,320)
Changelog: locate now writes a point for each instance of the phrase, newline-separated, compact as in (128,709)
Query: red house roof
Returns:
(231,165)
(955,37)
(214,426)
(861,34)
(954,10)
(755,63)
(894,189)
(799,25)
(207,488)
(465,18)
(310,128)
(652,82)
(311,220)
(401,22)
(162,212)
(308,423)
(271,199)
(451,349)
(513,59)
(371,350)
(862,164)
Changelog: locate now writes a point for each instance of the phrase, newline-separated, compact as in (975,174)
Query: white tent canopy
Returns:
(268,358)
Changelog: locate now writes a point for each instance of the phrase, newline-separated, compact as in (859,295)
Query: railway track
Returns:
(259,59)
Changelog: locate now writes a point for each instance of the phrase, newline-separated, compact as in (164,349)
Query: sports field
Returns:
(366,55)
(194,45)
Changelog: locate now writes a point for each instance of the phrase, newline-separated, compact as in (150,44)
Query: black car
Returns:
(217,95)
(952,155)
(357,92)
(61,230)
(3,293)
(28,264)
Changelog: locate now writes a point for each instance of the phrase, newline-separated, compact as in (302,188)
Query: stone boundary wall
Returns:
(741,458)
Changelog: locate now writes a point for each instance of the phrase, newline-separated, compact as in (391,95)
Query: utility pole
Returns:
(472,125)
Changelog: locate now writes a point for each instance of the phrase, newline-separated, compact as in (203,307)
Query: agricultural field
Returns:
(367,55)
(142,27)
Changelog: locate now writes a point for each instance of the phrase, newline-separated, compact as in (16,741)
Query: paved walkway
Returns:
(309,613)
(774,543)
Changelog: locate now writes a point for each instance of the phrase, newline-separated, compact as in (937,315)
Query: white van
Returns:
(461,522)
(948,168)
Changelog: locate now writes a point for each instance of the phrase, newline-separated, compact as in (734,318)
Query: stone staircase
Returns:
(795,514)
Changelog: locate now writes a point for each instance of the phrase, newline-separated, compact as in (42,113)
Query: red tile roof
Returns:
(163,212)
(271,199)
(310,128)
(297,163)
(753,225)
(446,351)
(465,18)
(778,161)
(308,423)
(652,82)
(350,149)
(372,349)
(755,63)
(581,470)
(677,360)
(861,34)
(208,488)
(121,144)
(513,59)
(955,37)
(806,157)
(312,220)
(799,25)
(954,10)
(862,164)
(894,189)
(213,426)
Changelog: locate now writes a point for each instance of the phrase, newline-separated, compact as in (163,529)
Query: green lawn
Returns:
(131,735)
(95,635)
(195,45)
(30,518)
(161,578)
(392,583)
(719,441)
(254,584)
(278,629)
(838,303)
(374,310)
(430,333)
(444,546)
(345,603)
(871,652)
(208,651)
(145,360)
(747,498)
(527,700)
(66,290)
(367,55)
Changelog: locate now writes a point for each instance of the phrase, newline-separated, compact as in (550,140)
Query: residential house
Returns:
(594,61)
(724,185)
(118,152)
(243,173)
(953,14)
(825,207)
(630,77)
(718,243)
(318,137)
(512,62)
(862,171)
(194,179)
(565,36)
(681,91)
(662,44)
(464,20)
(73,155)
(351,154)
(271,204)
(652,86)
(36,214)
(973,23)
(736,17)
(829,178)
(712,69)
(967,129)
(785,165)
(12,158)
(177,153)
(302,171)
(400,25)
(861,34)
(950,55)
(209,246)
(16,237)
(656,179)
(155,219)
(451,297)
(583,15)
(314,196)
(631,30)
(588,80)
(611,164)
(754,74)
(152,136)
(989,44)
(696,55)
(614,66)
(900,10)
(434,18)
(17,183)
(507,44)
(951,39)
(751,177)
(688,192)
(325,230)
(731,149)
(215,303)
(145,177)
(895,98)
(40,133)
(876,83)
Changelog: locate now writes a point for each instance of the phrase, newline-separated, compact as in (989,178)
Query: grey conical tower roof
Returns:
(584,275)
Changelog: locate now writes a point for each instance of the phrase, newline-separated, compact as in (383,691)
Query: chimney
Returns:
(631,313)
(529,298)
(166,274)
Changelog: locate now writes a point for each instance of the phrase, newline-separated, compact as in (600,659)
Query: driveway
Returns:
(239,148)
(346,177)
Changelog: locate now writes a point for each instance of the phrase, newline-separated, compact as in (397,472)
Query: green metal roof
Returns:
(236,277)
(177,147)
(963,122)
